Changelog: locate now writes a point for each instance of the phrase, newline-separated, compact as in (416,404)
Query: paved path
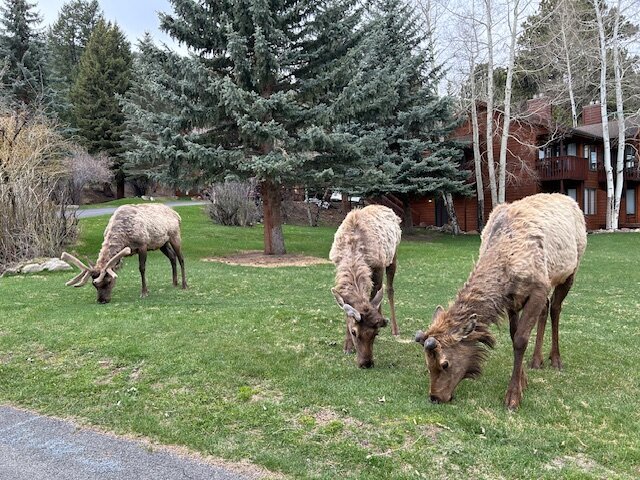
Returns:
(94,212)
(34,447)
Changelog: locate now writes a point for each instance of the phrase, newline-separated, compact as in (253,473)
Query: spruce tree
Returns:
(157,117)
(22,47)
(66,41)
(103,75)
(397,113)
(257,90)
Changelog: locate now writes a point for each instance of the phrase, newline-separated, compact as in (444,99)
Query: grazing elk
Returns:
(364,247)
(132,229)
(528,249)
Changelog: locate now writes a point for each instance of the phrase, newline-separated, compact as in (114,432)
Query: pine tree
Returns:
(154,108)
(398,113)
(66,41)
(22,47)
(257,93)
(103,75)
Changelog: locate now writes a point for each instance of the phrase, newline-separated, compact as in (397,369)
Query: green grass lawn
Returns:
(247,364)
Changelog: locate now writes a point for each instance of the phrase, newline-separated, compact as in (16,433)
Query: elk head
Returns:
(449,357)
(104,279)
(363,325)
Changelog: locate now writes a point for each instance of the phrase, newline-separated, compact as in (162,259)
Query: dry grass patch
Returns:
(259,259)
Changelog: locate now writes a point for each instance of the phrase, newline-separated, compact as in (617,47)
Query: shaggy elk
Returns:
(132,229)
(528,249)
(364,247)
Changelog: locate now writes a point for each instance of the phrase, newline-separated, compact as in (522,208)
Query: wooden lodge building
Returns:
(544,157)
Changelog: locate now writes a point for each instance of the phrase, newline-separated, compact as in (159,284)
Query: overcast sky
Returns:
(133,16)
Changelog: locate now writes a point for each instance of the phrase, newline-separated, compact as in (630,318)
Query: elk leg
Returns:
(513,328)
(391,272)
(559,294)
(376,277)
(531,312)
(142,262)
(348,341)
(536,361)
(175,244)
(170,254)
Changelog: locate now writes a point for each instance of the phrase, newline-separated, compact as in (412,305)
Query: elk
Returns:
(528,249)
(364,248)
(132,229)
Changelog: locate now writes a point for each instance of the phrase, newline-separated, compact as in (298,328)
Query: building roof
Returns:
(632,127)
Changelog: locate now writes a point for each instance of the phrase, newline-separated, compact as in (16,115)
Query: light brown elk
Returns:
(364,248)
(132,229)
(529,249)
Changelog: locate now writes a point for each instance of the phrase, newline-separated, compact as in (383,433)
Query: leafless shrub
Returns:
(33,200)
(233,203)
(86,169)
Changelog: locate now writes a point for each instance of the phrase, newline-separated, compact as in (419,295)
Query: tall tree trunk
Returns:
(272,203)
(603,115)
(346,204)
(407,217)
(477,157)
(451,211)
(119,183)
(506,122)
(567,59)
(490,99)
(620,117)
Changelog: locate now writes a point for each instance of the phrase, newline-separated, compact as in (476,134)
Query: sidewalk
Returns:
(34,447)
(94,212)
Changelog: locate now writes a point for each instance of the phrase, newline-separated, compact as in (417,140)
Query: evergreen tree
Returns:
(103,75)
(154,108)
(22,47)
(67,39)
(398,114)
(252,101)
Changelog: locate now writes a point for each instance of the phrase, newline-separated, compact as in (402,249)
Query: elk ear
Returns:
(352,312)
(338,298)
(377,300)
(465,330)
(439,311)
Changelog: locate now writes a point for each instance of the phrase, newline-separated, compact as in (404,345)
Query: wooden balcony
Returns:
(563,168)
(631,172)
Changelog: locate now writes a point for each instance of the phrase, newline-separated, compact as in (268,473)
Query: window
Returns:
(593,159)
(572,150)
(589,152)
(541,154)
(631,201)
(589,201)
(573,193)
(629,156)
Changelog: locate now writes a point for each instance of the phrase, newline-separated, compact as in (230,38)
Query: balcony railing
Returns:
(563,168)
(631,171)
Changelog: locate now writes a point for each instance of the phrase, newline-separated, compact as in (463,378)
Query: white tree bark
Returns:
(490,102)
(477,157)
(620,117)
(502,162)
(603,115)
(567,58)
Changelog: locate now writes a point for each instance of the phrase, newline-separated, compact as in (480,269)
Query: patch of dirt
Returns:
(259,259)
(296,213)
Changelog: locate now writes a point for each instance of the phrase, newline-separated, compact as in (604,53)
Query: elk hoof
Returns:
(144,294)
(556,363)
(536,363)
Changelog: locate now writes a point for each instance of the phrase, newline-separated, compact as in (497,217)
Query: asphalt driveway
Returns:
(35,447)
